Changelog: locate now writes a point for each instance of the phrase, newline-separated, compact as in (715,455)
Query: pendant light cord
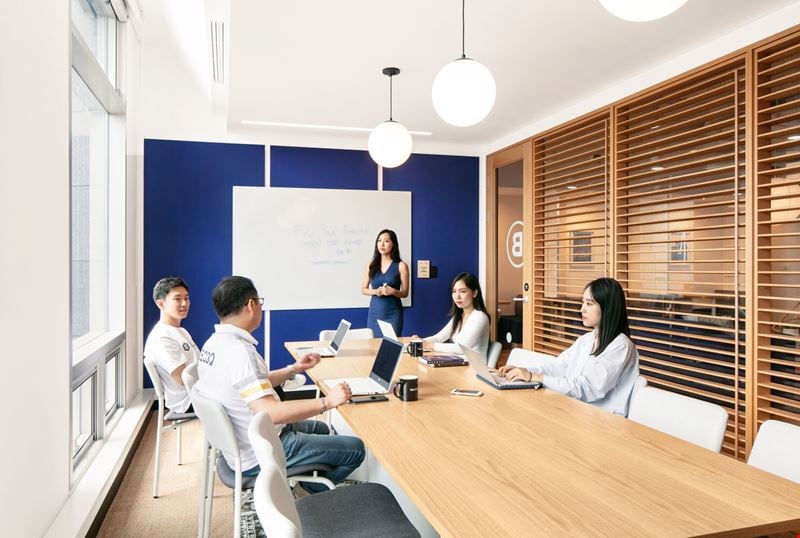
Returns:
(390,98)
(463,54)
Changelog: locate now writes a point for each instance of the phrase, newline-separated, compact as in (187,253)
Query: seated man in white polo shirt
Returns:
(232,372)
(169,344)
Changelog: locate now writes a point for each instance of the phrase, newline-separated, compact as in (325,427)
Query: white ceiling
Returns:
(320,61)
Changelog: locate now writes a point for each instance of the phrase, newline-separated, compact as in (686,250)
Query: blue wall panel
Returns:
(187,216)
(188,190)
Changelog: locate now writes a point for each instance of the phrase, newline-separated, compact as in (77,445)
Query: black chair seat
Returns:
(307,469)
(228,476)
(179,416)
(361,511)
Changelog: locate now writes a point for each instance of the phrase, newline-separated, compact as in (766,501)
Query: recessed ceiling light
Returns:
(794,137)
(571,187)
(655,126)
(322,127)
(656,168)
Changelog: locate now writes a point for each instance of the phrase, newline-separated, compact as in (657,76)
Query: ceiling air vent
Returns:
(217,39)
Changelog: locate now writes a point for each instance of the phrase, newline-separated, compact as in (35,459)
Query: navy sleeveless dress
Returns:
(388,309)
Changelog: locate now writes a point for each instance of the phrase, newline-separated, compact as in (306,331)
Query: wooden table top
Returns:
(524,462)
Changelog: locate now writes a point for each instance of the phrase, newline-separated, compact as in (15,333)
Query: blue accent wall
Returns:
(188,192)
(187,218)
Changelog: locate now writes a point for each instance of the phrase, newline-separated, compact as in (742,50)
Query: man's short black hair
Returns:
(166,285)
(231,294)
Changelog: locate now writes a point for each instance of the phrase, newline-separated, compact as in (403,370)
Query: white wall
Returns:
(34,234)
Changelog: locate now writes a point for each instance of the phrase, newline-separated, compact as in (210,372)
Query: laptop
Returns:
(478,363)
(383,370)
(387,329)
(333,348)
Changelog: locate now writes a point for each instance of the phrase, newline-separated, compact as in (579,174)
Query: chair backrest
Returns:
(217,425)
(273,499)
(696,421)
(526,358)
(493,354)
(152,371)
(352,334)
(776,451)
(189,376)
(640,382)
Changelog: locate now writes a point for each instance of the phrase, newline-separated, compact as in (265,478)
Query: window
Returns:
(99,33)
(97,235)
(89,214)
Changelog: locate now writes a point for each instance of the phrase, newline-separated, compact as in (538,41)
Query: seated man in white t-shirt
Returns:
(169,344)
(232,372)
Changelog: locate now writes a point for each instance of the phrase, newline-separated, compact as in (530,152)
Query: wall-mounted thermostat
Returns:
(423,268)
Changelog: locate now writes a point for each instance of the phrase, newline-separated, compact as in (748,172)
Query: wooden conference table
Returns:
(523,463)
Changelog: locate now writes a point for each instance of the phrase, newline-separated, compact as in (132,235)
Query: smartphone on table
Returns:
(466,392)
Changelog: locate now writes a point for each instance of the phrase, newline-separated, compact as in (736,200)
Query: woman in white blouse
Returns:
(469,322)
(601,367)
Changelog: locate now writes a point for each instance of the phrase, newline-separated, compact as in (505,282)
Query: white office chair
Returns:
(174,419)
(776,451)
(220,438)
(525,358)
(696,421)
(493,354)
(352,334)
(640,383)
(363,510)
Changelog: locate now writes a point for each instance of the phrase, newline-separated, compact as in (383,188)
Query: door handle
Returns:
(523,299)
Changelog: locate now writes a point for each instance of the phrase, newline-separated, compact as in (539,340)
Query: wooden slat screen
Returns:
(679,191)
(570,238)
(777,231)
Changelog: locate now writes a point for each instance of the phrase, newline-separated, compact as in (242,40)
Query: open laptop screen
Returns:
(338,338)
(386,361)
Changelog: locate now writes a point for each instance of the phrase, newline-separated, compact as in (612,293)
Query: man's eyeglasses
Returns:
(259,300)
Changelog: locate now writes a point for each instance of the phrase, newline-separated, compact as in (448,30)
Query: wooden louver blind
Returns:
(570,238)
(679,191)
(777,231)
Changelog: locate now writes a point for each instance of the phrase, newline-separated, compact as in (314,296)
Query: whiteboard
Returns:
(309,248)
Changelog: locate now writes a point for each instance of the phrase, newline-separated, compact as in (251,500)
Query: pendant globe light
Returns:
(464,90)
(390,142)
(641,10)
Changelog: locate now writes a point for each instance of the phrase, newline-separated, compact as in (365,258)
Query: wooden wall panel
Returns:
(777,231)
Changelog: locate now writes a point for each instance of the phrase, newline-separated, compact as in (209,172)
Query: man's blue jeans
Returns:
(308,442)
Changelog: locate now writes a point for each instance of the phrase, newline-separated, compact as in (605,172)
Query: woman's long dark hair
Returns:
(477,303)
(608,295)
(375,264)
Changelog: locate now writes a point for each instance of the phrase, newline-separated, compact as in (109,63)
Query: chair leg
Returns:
(237,500)
(158,452)
(178,427)
(201,513)
(210,492)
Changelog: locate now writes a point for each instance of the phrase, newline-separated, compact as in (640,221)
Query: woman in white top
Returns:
(469,322)
(601,367)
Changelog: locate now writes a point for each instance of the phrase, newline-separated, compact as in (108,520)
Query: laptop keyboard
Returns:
(364,386)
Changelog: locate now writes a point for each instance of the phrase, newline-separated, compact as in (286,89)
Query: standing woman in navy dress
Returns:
(386,280)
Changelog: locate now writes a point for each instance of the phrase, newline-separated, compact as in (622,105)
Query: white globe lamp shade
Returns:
(641,10)
(463,92)
(390,144)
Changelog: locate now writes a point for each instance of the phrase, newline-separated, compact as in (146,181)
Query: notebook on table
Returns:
(478,363)
(333,348)
(379,380)
(440,360)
